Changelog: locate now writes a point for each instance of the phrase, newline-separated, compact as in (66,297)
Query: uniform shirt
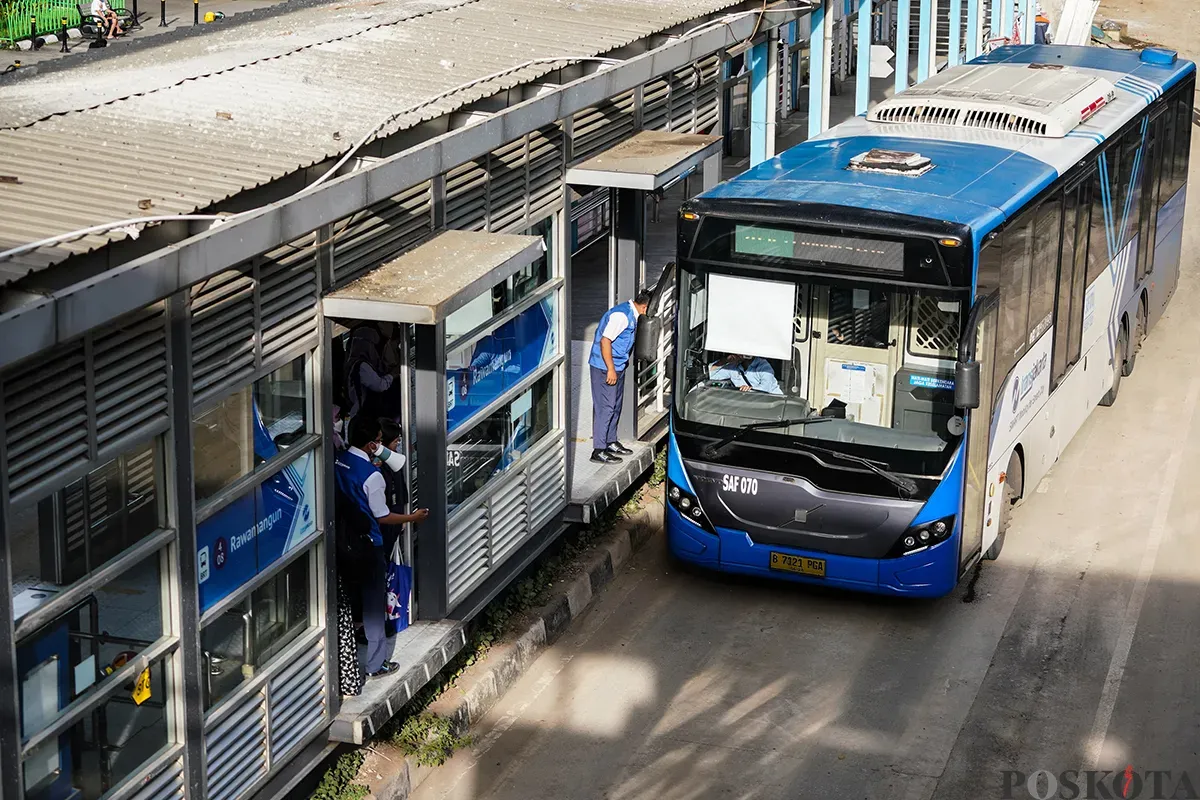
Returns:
(375,487)
(757,375)
(617,323)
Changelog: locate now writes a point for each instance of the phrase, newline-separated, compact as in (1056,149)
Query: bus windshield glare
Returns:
(875,360)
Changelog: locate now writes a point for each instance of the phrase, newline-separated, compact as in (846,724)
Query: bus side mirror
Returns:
(966,384)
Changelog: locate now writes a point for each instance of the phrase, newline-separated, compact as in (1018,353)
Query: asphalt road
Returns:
(1079,650)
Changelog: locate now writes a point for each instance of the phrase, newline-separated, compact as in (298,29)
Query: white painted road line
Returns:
(1133,610)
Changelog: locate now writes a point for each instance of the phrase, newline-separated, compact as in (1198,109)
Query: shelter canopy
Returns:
(647,161)
(430,282)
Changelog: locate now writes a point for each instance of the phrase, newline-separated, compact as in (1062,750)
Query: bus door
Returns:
(857,333)
(978,438)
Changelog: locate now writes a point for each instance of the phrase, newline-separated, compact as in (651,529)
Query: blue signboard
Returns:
(254,531)
(478,374)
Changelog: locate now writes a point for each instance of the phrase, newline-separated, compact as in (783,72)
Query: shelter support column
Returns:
(629,233)
(711,172)
(820,65)
(429,429)
(764,97)
(862,78)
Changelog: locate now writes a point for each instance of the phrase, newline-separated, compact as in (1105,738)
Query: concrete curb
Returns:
(393,776)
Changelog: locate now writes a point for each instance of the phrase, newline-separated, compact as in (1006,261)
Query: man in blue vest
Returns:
(360,483)
(611,351)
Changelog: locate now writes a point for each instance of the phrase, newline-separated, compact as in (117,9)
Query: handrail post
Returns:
(33,33)
(64,48)
(163,10)
(195,12)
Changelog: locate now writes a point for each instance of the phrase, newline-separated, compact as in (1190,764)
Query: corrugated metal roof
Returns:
(218,115)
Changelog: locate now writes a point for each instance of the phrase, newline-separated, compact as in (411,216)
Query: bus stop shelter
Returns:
(646,164)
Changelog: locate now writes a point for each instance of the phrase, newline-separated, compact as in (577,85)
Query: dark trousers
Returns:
(374,611)
(606,407)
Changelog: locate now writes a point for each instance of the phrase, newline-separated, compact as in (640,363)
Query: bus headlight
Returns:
(688,506)
(918,537)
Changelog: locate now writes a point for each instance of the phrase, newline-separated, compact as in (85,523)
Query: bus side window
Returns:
(1183,135)
(1014,297)
(1047,229)
(1066,273)
(1098,255)
(1166,183)
(1085,211)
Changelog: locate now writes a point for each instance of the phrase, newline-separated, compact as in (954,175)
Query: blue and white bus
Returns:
(887,335)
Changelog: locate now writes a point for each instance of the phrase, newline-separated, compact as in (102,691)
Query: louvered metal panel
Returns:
(236,749)
(223,336)
(598,128)
(382,232)
(166,785)
(466,196)
(547,486)
(546,164)
(656,104)
(467,550)
(86,398)
(507,170)
(58,384)
(130,368)
(288,294)
(488,529)
(509,519)
(685,85)
(708,96)
(297,702)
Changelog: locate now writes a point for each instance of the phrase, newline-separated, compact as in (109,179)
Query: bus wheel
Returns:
(1008,499)
(1139,333)
(1110,397)
(1006,504)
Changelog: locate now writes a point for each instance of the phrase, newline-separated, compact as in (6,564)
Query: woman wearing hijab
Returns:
(370,388)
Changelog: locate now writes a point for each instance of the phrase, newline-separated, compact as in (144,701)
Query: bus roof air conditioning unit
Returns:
(1046,100)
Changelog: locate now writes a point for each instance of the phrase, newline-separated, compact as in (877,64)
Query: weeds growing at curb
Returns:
(338,783)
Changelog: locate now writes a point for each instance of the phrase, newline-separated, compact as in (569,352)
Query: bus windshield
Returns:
(876,360)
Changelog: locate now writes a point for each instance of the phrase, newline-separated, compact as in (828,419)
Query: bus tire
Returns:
(1014,476)
(1139,335)
(1110,397)
(1006,504)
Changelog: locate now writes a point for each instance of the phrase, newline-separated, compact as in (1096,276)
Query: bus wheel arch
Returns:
(1134,342)
(1119,362)
(1010,492)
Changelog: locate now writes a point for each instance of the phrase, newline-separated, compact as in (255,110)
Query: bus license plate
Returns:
(804,566)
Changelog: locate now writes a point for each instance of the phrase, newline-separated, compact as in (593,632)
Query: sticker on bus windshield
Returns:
(930,382)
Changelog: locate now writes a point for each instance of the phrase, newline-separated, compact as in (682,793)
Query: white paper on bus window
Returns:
(751,317)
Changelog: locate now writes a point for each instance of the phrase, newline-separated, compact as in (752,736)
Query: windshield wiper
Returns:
(907,486)
(712,450)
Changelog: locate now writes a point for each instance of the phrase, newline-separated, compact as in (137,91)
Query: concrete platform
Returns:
(421,650)
(594,486)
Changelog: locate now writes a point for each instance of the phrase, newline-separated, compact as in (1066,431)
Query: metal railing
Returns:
(653,377)
(22,19)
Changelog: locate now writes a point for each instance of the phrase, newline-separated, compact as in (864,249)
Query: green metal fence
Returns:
(17,16)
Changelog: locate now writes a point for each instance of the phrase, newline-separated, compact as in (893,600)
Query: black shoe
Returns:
(387,669)
(605,457)
(619,449)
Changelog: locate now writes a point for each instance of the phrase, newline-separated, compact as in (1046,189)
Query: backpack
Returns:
(352,532)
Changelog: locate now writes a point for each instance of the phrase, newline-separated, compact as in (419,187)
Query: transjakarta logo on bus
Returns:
(1024,385)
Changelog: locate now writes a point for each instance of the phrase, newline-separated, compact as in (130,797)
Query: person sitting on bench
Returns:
(103,11)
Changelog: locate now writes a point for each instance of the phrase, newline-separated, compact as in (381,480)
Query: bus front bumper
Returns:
(929,573)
